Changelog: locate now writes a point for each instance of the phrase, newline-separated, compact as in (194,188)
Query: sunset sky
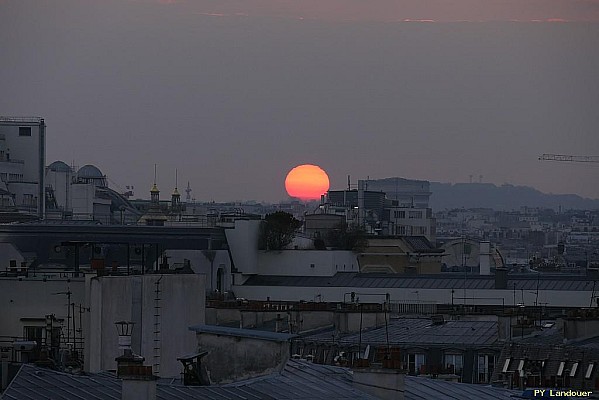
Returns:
(235,93)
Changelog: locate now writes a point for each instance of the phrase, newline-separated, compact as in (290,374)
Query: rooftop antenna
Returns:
(176,178)
(348,183)
(154,174)
(188,191)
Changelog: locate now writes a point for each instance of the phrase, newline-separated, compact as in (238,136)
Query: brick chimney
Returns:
(138,382)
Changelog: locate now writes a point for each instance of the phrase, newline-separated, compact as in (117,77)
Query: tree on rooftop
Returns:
(278,230)
(347,237)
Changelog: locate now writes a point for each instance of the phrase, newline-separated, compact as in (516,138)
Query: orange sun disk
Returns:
(307,182)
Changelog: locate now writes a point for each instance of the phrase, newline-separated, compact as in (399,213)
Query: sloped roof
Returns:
(436,281)
(421,244)
(299,380)
(89,171)
(422,331)
(242,333)
(59,166)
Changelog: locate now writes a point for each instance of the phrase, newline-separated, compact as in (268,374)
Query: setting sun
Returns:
(307,182)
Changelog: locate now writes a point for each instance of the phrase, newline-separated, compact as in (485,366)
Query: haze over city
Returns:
(235,94)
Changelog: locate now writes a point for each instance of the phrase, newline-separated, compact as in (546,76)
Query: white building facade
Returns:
(22,164)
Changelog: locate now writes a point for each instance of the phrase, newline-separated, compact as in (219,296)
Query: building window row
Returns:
(29,200)
(399,214)
(11,177)
(419,230)
(415,214)
(454,363)
(486,364)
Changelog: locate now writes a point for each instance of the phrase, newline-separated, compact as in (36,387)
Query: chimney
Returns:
(138,382)
(485,258)
(385,384)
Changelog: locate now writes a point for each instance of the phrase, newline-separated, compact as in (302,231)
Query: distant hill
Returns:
(505,197)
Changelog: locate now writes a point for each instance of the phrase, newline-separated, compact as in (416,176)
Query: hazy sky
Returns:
(234,93)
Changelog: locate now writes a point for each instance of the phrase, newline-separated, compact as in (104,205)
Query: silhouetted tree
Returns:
(278,230)
(347,237)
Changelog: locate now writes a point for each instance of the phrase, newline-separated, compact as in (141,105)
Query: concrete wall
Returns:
(26,148)
(349,322)
(133,298)
(301,321)
(233,358)
(9,252)
(21,190)
(382,383)
(35,298)
(561,298)
(222,316)
(138,390)
(580,328)
(61,183)
(243,245)
(306,262)
(30,149)
(200,264)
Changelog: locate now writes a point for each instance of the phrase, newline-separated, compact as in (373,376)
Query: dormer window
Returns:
(589,372)
(560,370)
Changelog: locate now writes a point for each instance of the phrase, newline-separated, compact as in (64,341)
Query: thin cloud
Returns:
(403,10)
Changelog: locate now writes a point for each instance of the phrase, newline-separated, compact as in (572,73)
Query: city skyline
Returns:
(234,103)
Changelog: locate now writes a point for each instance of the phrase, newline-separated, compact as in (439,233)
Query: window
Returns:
(506,365)
(28,200)
(220,278)
(573,370)
(560,370)
(24,131)
(486,364)
(454,363)
(415,215)
(399,214)
(33,333)
(415,362)
(589,372)
(419,230)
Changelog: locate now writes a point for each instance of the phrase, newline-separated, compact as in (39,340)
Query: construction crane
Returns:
(570,158)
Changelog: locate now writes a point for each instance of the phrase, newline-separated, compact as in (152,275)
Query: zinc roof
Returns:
(421,331)
(437,281)
(299,380)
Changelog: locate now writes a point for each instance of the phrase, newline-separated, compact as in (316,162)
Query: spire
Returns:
(154,192)
(176,191)
(176,197)
(188,191)
(154,216)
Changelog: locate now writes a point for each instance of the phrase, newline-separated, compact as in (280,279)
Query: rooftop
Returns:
(299,380)
(435,281)
(21,120)
(243,333)
(421,331)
